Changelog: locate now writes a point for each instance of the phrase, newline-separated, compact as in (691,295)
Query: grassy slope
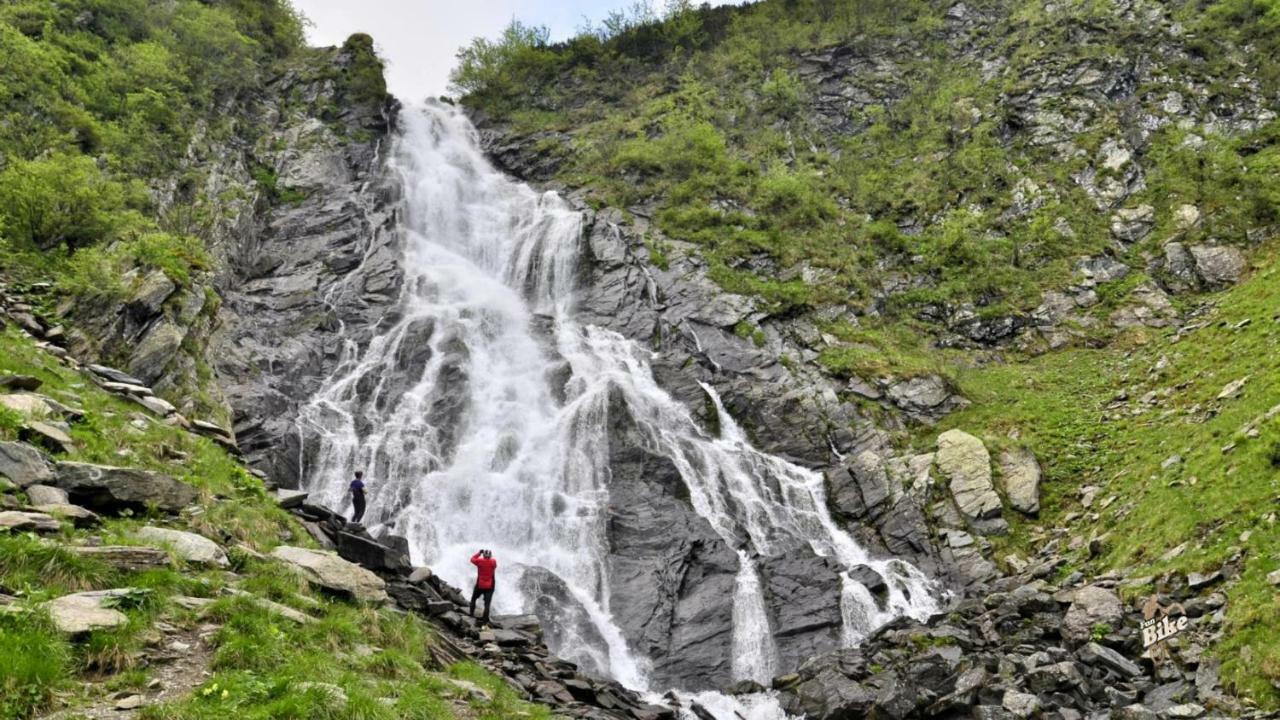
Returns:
(1064,407)
(379,658)
(715,136)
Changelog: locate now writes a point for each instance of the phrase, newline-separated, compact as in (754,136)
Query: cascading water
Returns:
(453,412)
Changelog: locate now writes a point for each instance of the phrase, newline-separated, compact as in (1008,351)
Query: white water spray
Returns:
(454,413)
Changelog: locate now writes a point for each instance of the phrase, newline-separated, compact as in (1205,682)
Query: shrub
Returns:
(64,200)
(364,79)
(782,92)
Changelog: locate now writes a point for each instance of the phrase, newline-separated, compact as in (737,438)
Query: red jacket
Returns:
(484,570)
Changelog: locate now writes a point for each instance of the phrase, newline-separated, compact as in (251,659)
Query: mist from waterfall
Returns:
(479,415)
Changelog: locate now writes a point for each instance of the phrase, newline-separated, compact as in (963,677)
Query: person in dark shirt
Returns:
(357,497)
(485,566)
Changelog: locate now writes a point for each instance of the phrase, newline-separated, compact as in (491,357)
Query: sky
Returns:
(420,38)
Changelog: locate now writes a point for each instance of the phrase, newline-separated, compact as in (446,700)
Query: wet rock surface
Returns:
(670,572)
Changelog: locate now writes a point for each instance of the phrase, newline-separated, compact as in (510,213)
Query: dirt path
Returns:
(177,666)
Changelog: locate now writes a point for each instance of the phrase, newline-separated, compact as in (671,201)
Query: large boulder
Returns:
(330,572)
(189,546)
(1020,474)
(23,464)
(1091,607)
(925,398)
(1218,265)
(112,489)
(82,612)
(965,462)
(828,692)
(369,553)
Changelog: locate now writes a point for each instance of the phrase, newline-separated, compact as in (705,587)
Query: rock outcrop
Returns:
(670,571)
(328,571)
(964,461)
(111,489)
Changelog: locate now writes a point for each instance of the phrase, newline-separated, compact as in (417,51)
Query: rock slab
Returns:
(110,489)
(965,462)
(331,572)
(82,612)
(189,546)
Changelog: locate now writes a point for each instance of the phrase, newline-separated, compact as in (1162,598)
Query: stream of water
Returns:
(454,414)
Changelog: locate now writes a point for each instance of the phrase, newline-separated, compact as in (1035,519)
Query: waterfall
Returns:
(479,414)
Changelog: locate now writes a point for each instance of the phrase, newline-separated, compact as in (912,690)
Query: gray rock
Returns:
(22,521)
(1179,267)
(78,516)
(30,406)
(1022,705)
(1020,475)
(1095,654)
(1091,606)
(1135,712)
(862,492)
(330,572)
(964,461)
(802,600)
(1185,711)
(1056,677)
(669,570)
(114,375)
(925,398)
(1218,265)
(131,558)
(157,405)
(110,489)
(369,553)
(47,435)
(82,612)
(1102,268)
(152,354)
(46,495)
(289,499)
(188,546)
(1129,225)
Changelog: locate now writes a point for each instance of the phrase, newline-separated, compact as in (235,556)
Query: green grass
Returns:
(35,661)
(1064,407)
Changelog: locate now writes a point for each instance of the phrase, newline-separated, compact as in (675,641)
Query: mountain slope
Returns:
(1037,204)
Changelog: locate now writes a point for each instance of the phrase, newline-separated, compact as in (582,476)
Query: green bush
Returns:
(782,92)
(62,201)
(365,82)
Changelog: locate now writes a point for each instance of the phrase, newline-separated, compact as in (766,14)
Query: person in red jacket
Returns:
(485,565)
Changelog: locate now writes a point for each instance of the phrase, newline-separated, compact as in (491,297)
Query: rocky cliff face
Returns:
(305,261)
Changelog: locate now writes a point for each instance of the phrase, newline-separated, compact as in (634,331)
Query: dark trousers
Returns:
(357,499)
(477,593)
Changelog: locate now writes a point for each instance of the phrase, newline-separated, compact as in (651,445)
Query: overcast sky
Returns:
(419,38)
